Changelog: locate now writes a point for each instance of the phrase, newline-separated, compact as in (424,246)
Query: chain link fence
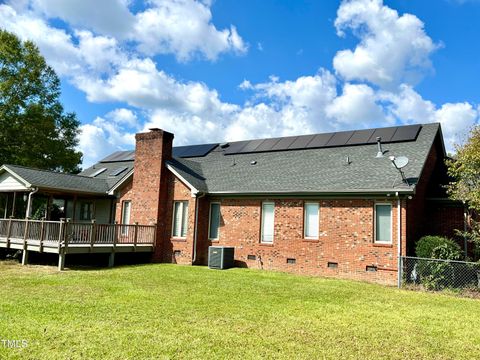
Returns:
(437,274)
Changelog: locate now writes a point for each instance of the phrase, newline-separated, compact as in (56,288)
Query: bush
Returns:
(437,275)
(438,247)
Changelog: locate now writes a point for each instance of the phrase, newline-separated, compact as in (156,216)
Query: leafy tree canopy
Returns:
(465,170)
(34,128)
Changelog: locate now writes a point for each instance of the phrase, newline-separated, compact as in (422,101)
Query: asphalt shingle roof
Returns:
(53,180)
(110,167)
(322,170)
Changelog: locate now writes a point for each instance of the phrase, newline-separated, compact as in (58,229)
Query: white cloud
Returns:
(407,106)
(183,28)
(101,62)
(122,116)
(110,17)
(102,137)
(393,49)
(456,119)
(357,106)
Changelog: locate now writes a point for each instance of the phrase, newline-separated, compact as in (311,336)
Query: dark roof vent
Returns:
(253,162)
(224,145)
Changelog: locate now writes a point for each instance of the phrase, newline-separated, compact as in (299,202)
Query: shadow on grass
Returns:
(82,262)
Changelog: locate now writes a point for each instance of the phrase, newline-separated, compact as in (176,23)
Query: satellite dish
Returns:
(399,162)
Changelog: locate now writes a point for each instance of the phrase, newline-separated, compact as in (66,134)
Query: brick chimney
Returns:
(150,178)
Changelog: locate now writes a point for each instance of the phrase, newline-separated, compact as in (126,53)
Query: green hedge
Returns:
(438,247)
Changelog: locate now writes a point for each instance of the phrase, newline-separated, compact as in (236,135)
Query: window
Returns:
(311,220)
(180,219)
(126,209)
(86,211)
(383,223)
(214,221)
(268,214)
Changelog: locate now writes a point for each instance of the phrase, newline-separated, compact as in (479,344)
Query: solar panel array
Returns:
(120,156)
(178,151)
(193,150)
(336,139)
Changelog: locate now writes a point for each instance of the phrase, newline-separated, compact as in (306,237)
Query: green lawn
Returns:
(170,311)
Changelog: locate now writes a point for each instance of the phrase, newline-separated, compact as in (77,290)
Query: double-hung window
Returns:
(126,210)
(268,215)
(86,211)
(214,222)
(180,219)
(383,223)
(311,221)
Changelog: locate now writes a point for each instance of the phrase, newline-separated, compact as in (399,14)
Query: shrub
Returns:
(437,275)
(438,247)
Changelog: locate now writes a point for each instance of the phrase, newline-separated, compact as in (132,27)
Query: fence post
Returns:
(9,232)
(400,271)
(25,251)
(60,233)
(63,249)
(135,237)
(111,258)
(42,234)
(93,234)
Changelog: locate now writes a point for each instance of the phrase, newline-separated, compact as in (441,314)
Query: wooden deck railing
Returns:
(65,233)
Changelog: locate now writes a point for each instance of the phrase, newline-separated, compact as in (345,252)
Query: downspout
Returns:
(399,241)
(29,203)
(197,197)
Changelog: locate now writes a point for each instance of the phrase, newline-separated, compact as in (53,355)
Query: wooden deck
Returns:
(65,237)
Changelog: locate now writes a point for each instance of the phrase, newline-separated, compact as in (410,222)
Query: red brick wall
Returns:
(125,194)
(346,237)
(149,189)
(432,217)
(178,250)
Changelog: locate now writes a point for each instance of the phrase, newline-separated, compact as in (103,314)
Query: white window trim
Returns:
(305,220)
(375,241)
(261,223)
(181,222)
(210,219)
(125,228)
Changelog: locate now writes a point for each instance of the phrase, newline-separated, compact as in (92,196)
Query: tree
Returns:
(465,171)
(34,128)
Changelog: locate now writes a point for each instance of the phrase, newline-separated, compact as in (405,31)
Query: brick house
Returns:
(324,204)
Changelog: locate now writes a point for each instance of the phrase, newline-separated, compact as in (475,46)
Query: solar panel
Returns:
(340,138)
(118,171)
(193,150)
(301,142)
(406,133)
(284,143)
(236,147)
(120,156)
(267,145)
(252,145)
(320,140)
(386,134)
(360,137)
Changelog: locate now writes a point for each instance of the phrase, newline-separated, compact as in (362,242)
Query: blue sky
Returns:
(231,70)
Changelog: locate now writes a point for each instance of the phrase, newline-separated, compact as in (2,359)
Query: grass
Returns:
(159,311)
